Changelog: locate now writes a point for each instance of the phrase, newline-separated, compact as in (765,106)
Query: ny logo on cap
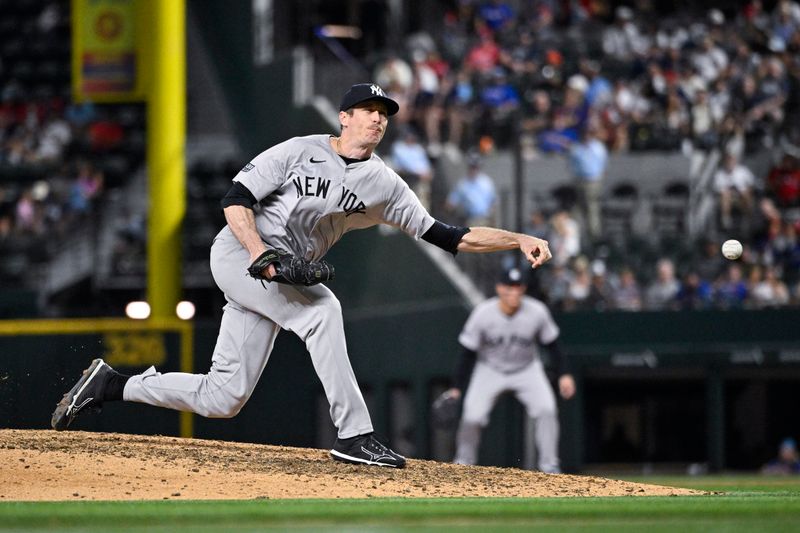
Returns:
(376,90)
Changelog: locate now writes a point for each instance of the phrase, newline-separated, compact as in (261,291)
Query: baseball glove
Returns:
(446,411)
(290,269)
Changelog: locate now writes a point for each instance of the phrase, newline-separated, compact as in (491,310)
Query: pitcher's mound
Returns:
(74,465)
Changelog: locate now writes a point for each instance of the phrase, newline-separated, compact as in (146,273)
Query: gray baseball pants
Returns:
(250,323)
(532,389)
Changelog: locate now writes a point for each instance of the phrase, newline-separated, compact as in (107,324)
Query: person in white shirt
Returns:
(734,183)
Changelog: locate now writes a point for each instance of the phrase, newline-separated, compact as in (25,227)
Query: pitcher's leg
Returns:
(243,346)
(314,314)
(322,329)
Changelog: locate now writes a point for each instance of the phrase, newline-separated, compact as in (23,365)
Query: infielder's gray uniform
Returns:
(508,361)
(308,198)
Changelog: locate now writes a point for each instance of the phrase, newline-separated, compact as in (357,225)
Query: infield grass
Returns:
(750,503)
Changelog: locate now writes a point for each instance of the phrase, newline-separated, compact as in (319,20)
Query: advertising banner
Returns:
(107,55)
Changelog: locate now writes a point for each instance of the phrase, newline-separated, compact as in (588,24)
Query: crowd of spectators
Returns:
(647,80)
(766,276)
(588,79)
(577,79)
(57,157)
(48,146)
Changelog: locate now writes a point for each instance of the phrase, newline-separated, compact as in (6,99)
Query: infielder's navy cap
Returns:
(361,92)
(512,276)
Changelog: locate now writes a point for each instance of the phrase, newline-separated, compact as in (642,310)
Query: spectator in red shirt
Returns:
(483,57)
(783,182)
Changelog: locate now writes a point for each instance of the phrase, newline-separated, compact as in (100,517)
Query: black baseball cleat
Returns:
(366,450)
(86,395)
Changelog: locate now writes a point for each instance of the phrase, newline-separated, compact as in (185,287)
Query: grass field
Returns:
(749,503)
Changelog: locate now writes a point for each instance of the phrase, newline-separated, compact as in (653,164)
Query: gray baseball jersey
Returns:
(508,360)
(307,199)
(310,198)
(508,343)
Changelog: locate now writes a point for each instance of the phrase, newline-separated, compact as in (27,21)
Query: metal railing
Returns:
(701,210)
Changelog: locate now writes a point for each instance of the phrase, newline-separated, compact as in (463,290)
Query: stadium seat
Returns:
(670,210)
(617,212)
(565,195)
(677,189)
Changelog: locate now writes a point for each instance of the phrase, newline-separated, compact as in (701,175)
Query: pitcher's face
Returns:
(367,125)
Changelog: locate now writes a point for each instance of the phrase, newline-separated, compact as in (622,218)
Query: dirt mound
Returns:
(73,465)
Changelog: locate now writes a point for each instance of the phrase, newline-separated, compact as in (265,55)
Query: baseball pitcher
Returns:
(284,211)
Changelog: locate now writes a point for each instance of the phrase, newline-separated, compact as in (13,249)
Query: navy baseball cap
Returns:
(361,92)
(512,276)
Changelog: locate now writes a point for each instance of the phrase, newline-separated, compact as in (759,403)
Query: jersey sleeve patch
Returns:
(248,167)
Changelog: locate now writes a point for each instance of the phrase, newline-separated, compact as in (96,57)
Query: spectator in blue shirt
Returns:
(599,90)
(732,289)
(500,103)
(588,159)
(497,15)
(787,461)
(569,119)
(695,292)
(473,199)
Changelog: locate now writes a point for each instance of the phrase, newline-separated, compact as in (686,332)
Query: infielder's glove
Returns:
(290,269)
(446,411)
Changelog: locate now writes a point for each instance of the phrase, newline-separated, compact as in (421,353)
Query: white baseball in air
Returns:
(732,249)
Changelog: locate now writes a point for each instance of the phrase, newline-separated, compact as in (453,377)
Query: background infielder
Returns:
(286,208)
(500,340)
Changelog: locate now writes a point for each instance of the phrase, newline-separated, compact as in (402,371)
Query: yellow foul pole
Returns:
(166,139)
(166,169)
